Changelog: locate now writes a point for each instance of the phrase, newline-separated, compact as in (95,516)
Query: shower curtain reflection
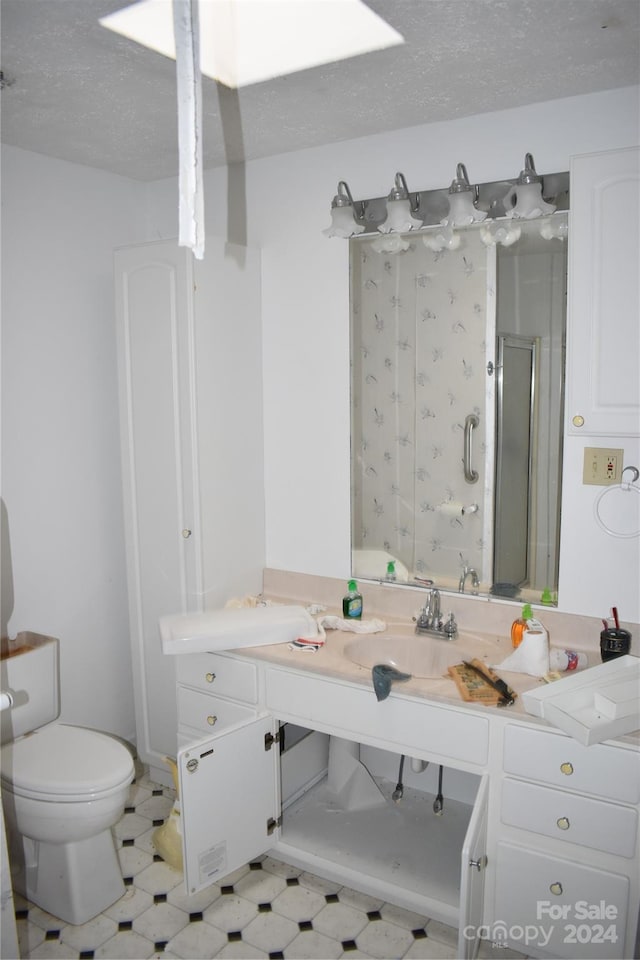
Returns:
(426,327)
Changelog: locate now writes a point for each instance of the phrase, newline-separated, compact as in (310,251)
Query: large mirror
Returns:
(457,410)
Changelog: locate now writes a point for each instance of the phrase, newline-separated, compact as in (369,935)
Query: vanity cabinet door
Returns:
(559,908)
(230,800)
(603,335)
(474,861)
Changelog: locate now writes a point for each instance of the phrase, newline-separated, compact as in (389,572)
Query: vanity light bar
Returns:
(432,206)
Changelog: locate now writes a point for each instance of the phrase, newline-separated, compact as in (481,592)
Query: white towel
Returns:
(232,628)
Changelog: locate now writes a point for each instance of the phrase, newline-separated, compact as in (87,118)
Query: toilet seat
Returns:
(64,764)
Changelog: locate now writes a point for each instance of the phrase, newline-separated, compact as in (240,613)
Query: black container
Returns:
(614,643)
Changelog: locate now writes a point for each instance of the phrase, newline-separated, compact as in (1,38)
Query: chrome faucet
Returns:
(430,619)
(475,583)
(435,608)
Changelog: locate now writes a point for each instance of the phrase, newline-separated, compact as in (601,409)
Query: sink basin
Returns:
(421,656)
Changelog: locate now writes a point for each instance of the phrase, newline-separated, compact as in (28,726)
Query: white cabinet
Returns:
(603,324)
(567,846)
(189,351)
(214,692)
(554,907)
(236,803)
(539,854)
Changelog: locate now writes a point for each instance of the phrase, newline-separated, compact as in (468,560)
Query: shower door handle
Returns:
(472,421)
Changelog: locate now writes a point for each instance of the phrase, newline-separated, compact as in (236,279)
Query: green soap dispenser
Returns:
(352,602)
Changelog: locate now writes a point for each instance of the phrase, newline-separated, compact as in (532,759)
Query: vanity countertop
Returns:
(330,661)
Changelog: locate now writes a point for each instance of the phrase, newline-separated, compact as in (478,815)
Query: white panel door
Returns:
(229,796)
(474,858)
(190,365)
(603,326)
(155,330)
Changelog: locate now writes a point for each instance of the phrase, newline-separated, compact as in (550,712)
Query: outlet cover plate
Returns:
(602,466)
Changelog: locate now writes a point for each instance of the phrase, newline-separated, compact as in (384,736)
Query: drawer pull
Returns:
(566,768)
(563,823)
(212,720)
(209,677)
(479,864)
(556,889)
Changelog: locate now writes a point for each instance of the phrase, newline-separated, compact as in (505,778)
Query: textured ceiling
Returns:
(77,91)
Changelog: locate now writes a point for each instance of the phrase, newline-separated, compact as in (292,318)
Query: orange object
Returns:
(519,626)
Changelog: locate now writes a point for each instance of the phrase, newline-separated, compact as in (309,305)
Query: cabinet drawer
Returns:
(207,714)
(563,908)
(556,760)
(219,675)
(393,724)
(568,816)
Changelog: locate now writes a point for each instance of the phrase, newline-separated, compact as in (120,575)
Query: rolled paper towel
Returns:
(453,509)
(532,655)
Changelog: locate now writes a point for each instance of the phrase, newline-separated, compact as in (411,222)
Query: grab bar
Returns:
(471,476)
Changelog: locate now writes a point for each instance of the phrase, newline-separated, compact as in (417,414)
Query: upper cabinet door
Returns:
(603,329)
(190,364)
(155,330)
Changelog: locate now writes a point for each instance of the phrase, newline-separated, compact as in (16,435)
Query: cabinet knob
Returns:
(563,823)
(566,768)
(186,533)
(209,677)
(578,421)
(556,889)
(480,863)
(212,720)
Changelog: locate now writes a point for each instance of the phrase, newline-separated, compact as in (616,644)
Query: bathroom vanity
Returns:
(536,847)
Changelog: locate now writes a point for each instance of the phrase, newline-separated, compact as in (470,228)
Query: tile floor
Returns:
(267,909)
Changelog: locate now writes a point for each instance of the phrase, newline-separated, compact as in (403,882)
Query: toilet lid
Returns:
(66,763)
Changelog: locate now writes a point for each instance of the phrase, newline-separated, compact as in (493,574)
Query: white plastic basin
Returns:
(423,657)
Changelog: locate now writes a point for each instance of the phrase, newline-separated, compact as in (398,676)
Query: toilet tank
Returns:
(29,672)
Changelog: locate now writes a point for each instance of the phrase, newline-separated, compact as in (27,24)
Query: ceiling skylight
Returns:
(249,41)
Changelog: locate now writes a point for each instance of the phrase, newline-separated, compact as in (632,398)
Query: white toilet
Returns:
(63,788)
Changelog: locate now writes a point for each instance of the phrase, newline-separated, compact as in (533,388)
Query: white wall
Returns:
(60,453)
(60,441)
(306,321)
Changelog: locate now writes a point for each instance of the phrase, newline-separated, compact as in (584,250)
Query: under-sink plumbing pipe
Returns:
(399,790)
(419,766)
(438,803)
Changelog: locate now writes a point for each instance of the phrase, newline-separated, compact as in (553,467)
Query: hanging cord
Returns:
(399,790)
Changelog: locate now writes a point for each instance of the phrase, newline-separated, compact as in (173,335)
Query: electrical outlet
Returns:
(602,465)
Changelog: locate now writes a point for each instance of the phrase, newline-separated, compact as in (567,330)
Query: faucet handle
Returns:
(450,628)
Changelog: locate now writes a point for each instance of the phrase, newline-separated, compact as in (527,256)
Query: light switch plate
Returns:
(602,465)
